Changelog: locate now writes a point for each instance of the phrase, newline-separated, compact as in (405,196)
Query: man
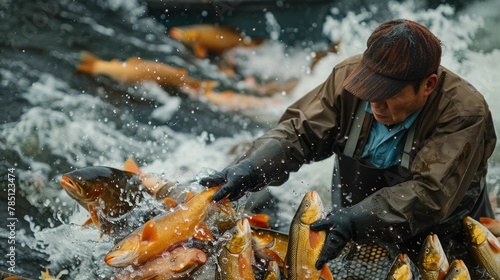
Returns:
(410,137)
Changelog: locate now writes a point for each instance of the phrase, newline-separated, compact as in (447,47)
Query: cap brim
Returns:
(370,86)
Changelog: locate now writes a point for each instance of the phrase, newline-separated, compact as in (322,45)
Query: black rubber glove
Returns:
(340,230)
(264,165)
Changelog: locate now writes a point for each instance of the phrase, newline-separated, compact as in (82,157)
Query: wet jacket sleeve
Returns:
(306,131)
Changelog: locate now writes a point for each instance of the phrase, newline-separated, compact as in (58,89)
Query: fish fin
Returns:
(87,223)
(199,51)
(315,238)
(259,220)
(87,61)
(326,274)
(170,203)
(152,184)
(243,264)
(149,232)
(494,243)
(131,166)
(203,233)
(274,256)
(93,215)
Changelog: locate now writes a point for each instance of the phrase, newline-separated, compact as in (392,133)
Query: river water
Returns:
(55,120)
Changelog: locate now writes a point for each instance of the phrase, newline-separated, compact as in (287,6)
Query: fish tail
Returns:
(87,62)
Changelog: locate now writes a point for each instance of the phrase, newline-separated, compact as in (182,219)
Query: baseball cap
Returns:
(398,52)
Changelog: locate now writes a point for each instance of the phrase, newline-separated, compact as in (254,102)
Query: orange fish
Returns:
(135,70)
(236,257)
(270,245)
(206,38)
(180,263)
(164,232)
(107,193)
(304,244)
(230,100)
(491,224)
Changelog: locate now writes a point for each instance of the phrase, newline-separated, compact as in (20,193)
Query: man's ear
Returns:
(430,84)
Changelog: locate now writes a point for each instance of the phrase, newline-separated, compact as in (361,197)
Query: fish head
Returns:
(401,268)
(124,252)
(310,209)
(80,188)
(262,239)
(182,34)
(477,232)
(432,254)
(185,260)
(458,270)
(240,237)
(87,184)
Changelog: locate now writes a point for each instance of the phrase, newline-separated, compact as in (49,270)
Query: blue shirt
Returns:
(385,145)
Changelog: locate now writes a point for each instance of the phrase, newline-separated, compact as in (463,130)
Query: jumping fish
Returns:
(433,261)
(270,245)
(164,232)
(485,247)
(107,193)
(457,271)
(135,70)
(180,263)
(236,257)
(206,38)
(400,269)
(304,244)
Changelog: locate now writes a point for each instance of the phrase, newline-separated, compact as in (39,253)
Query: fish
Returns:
(491,224)
(236,257)
(400,269)
(304,244)
(233,101)
(180,263)
(457,271)
(135,70)
(107,193)
(433,261)
(270,245)
(164,232)
(204,39)
(273,271)
(484,247)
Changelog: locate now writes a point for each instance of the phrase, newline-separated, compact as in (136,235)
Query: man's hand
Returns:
(236,180)
(339,227)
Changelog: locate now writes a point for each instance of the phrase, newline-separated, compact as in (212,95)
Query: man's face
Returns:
(397,108)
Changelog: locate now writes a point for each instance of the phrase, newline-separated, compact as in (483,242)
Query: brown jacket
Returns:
(454,138)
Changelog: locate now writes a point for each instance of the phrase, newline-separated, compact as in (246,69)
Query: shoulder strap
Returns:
(355,131)
(352,140)
(410,135)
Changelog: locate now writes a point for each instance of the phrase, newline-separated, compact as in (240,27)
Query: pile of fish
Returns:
(179,240)
(176,231)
